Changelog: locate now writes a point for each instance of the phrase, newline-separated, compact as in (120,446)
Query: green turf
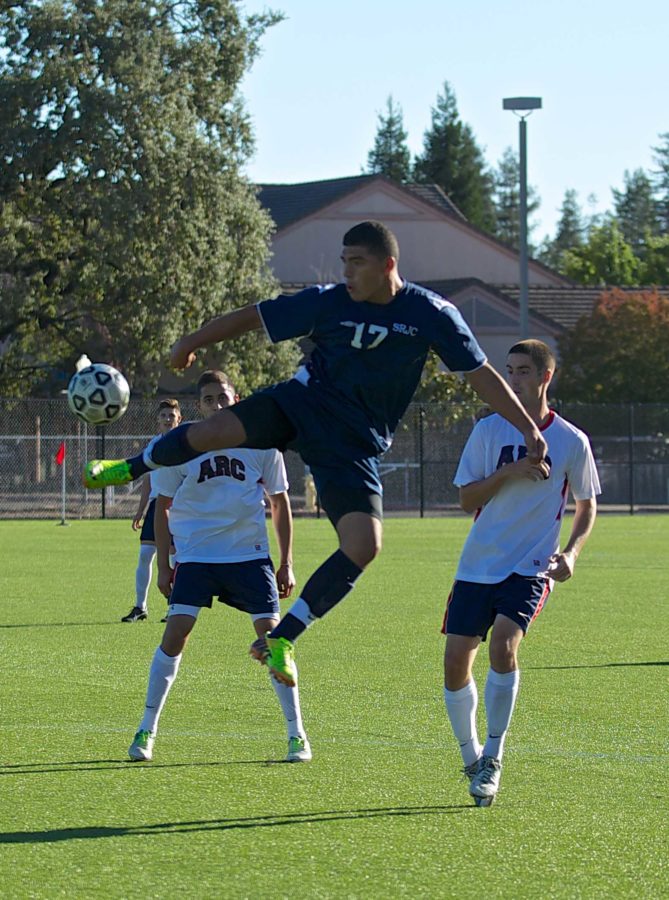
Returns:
(381,811)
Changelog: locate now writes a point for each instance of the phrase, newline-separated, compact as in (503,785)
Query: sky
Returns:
(601,69)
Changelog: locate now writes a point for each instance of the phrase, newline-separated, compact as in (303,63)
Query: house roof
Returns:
(566,305)
(288,203)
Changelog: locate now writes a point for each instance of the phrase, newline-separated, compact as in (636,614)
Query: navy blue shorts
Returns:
(148,533)
(249,586)
(344,465)
(471,607)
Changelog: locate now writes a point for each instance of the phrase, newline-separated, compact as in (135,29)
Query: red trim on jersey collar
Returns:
(549,421)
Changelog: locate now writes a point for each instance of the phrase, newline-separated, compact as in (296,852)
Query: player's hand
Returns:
(530,468)
(285,580)
(561,566)
(165,581)
(536,445)
(137,523)
(181,355)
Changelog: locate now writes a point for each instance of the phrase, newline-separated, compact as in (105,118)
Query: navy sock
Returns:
(329,584)
(171,449)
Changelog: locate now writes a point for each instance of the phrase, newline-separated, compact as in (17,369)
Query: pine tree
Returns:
(507,201)
(661,183)
(390,155)
(636,210)
(452,159)
(569,233)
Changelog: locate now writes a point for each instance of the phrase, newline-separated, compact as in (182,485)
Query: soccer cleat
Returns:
(485,783)
(470,771)
(141,749)
(298,750)
(135,615)
(258,650)
(280,660)
(102,473)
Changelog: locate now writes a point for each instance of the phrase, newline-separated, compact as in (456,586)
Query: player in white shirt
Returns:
(511,556)
(214,508)
(169,416)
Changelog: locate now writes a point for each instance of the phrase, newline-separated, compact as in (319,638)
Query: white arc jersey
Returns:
(218,507)
(153,493)
(518,529)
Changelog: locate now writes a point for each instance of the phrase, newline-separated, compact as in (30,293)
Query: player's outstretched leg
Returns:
(485,784)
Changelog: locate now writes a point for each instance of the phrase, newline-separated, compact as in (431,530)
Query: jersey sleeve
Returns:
(274,477)
(167,481)
(582,475)
(472,465)
(454,342)
(291,315)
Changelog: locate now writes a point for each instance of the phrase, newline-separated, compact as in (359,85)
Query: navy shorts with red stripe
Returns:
(471,607)
(148,531)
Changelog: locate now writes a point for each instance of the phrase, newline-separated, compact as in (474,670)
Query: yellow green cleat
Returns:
(281,660)
(102,473)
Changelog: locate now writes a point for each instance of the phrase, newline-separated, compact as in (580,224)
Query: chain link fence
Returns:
(630,443)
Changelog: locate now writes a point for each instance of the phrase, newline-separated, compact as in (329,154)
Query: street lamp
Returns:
(522,107)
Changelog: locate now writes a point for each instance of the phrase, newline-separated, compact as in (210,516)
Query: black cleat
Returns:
(135,615)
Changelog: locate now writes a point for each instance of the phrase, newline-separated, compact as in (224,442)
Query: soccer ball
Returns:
(98,394)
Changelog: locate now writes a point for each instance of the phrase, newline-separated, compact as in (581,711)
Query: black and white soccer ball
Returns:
(98,394)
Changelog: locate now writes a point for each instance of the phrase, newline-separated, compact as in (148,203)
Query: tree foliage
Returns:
(124,216)
(452,159)
(507,201)
(618,354)
(390,155)
(569,234)
(636,210)
(605,258)
(661,182)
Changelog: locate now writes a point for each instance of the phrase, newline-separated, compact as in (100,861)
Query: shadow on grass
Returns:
(279,820)
(113,765)
(604,665)
(64,624)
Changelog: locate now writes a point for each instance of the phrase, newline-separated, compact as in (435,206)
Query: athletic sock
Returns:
(162,673)
(289,699)
(329,584)
(461,708)
(143,574)
(501,690)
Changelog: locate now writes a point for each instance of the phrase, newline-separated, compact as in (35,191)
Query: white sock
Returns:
(289,699)
(300,609)
(501,690)
(461,708)
(143,574)
(162,673)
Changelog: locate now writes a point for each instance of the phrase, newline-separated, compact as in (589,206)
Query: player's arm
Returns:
(141,505)
(476,494)
(282,520)
(561,565)
(491,388)
(223,328)
(161,527)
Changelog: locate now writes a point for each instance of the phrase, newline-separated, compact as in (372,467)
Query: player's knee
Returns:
(503,656)
(456,670)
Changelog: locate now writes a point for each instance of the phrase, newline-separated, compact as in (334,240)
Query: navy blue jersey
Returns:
(368,357)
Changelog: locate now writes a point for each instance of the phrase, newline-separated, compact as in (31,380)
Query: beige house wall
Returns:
(433,245)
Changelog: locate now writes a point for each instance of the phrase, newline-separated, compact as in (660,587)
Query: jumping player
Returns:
(214,508)
(372,335)
(511,557)
(169,416)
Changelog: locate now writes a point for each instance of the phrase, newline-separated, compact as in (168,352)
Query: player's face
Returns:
(215,397)
(525,380)
(365,275)
(167,420)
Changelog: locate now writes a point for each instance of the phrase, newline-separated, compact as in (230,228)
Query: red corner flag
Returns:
(60,454)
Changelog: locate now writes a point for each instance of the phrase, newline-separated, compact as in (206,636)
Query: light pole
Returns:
(522,107)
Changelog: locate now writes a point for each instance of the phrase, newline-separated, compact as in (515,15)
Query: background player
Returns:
(169,416)
(511,555)
(214,508)
(372,335)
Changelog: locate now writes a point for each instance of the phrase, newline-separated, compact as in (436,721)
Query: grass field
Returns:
(381,811)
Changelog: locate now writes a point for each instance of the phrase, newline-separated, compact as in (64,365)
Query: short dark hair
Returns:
(169,403)
(214,376)
(375,237)
(540,353)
